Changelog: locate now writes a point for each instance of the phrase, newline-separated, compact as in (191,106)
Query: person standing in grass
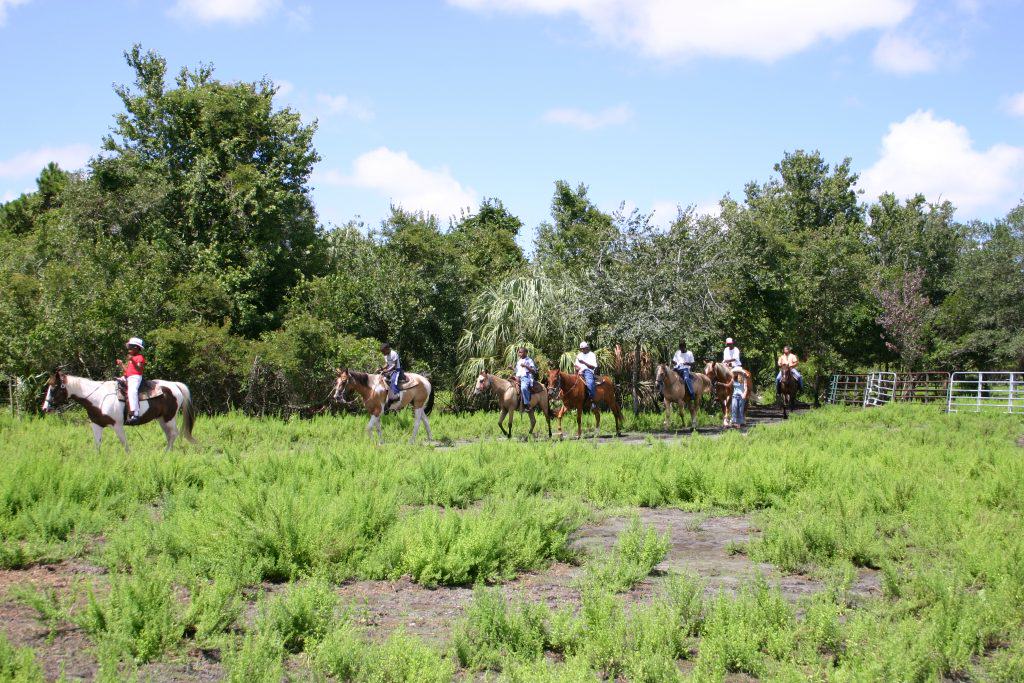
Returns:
(740,394)
(525,370)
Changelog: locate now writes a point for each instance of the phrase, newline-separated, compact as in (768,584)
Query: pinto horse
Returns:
(673,390)
(573,392)
(508,400)
(373,389)
(788,389)
(163,401)
(721,388)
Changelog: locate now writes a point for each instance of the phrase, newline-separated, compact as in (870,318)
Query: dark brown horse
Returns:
(788,389)
(573,393)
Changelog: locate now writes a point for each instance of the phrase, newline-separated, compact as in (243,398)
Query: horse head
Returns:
(340,383)
(56,391)
(483,382)
(554,382)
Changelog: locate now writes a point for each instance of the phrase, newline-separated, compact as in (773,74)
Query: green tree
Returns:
(485,243)
(575,238)
(218,176)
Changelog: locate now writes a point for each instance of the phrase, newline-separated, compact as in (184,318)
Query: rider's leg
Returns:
(688,381)
(799,378)
(591,383)
(133,396)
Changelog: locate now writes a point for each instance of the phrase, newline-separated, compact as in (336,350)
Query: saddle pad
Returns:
(147,390)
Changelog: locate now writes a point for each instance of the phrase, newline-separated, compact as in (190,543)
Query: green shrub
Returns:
(638,550)
(18,664)
(257,659)
(299,617)
(405,659)
(341,652)
(214,608)
(491,632)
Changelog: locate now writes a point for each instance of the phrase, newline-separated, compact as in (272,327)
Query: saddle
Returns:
(147,390)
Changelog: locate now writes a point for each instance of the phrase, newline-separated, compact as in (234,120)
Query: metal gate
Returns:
(847,390)
(991,391)
(880,389)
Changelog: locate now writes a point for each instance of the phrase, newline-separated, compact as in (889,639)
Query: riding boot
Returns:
(132,420)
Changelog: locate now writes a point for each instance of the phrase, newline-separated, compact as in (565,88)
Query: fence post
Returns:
(978,407)
(1012,376)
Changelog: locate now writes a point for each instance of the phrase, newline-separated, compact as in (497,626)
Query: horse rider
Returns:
(133,367)
(740,395)
(788,359)
(682,363)
(392,370)
(525,370)
(731,355)
(586,367)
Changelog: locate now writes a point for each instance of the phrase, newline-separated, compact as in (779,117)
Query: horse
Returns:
(159,400)
(721,387)
(788,389)
(573,392)
(509,399)
(673,390)
(373,389)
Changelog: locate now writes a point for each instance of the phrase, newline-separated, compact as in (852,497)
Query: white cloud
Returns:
(284,88)
(903,55)
(1015,104)
(405,183)
(29,163)
(937,158)
(585,120)
(753,29)
(341,105)
(229,11)
(6,5)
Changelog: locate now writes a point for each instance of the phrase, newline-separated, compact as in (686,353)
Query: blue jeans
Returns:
(684,375)
(796,375)
(525,383)
(589,381)
(739,406)
(394,379)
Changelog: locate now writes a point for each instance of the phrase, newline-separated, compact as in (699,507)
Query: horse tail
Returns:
(430,401)
(188,412)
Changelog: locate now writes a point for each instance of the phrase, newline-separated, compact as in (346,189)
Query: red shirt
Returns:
(135,361)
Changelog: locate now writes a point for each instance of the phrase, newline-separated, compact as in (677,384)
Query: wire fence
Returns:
(986,391)
(962,391)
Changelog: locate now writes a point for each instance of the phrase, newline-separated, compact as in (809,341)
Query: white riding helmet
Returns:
(135,341)
(729,340)
(584,345)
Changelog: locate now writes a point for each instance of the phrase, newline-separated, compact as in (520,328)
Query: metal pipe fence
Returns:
(847,390)
(880,389)
(988,391)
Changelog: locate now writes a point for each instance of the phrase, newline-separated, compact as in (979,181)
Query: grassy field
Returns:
(233,556)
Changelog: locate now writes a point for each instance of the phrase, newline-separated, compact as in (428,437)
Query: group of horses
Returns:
(164,401)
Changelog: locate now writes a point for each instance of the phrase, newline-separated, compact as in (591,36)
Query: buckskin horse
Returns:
(788,389)
(673,390)
(509,399)
(573,393)
(373,389)
(721,387)
(158,400)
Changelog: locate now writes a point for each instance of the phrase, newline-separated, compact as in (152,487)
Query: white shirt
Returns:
(588,357)
(682,359)
(731,354)
(524,366)
(391,360)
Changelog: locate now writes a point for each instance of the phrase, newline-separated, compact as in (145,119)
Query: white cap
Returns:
(728,340)
(737,369)
(135,341)
(584,345)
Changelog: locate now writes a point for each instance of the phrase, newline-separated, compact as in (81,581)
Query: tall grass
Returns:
(933,502)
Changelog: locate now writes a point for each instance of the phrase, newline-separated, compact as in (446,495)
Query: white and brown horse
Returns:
(161,401)
(673,390)
(509,400)
(721,388)
(373,389)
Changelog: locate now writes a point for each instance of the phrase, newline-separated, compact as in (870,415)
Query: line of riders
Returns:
(583,391)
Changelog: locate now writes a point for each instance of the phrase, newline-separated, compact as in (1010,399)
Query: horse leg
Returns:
(426,423)
(533,420)
(417,412)
(119,430)
(560,414)
(501,421)
(511,416)
(579,422)
(170,431)
(97,435)
(597,423)
(668,414)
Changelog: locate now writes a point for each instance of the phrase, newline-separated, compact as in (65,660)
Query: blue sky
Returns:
(435,104)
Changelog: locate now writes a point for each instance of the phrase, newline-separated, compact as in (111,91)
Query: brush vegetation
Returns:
(238,546)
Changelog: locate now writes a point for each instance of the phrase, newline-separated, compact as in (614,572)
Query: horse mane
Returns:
(360,378)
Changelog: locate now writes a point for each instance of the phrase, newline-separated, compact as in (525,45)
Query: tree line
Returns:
(194,228)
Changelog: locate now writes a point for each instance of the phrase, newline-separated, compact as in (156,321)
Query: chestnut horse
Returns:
(373,389)
(721,388)
(573,393)
(673,390)
(159,400)
(509,400)
(788,389)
